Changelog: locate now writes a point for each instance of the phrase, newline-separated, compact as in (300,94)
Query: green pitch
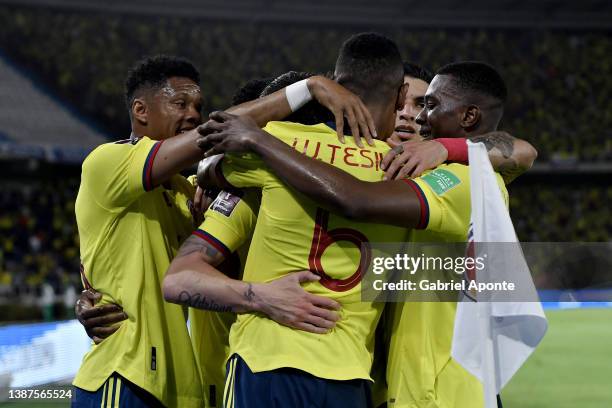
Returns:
(572,367)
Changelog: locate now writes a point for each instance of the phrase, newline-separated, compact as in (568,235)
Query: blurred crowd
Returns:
(562,213)
(559,81)
(39,255)
(39,247)
(560,89)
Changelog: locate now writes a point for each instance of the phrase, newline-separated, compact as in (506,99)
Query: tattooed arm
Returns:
(509,156)
(195,263)
(194,280)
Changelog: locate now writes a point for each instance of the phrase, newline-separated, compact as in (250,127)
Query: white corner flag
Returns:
(493,338)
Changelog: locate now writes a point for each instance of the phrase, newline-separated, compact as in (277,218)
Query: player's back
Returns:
(293,234)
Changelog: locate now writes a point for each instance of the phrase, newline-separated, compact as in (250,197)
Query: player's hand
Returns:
(286,302)
(225,132)
(99,321)
(202,199)
(198,202)
(411,159)
(344,104)
(398,138)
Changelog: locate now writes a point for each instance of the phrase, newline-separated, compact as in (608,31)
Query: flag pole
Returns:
(488,355)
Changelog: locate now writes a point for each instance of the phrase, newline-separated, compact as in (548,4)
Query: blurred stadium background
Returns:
(62,67)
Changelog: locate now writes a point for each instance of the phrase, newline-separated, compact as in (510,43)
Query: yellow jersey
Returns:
(228,225)
(129,231)
(420,370)
(292,234)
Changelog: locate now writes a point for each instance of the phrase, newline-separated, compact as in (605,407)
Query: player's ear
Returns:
(139,110)
(471,117)
(401,97)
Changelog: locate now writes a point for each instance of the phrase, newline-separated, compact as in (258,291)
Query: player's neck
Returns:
(480,130)
(139,132)
(380,115)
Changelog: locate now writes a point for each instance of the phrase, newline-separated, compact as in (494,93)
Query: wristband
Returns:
(298,94)
(457,149)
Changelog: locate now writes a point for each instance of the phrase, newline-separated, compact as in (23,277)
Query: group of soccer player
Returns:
(268,244)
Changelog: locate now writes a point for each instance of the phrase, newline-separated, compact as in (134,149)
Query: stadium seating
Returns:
(559,81)
(559,89)
(545,213)
(38,240)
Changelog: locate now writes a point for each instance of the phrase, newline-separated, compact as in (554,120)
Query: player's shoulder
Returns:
(291,133)
(98,156)
(456,168)
(102,149)
(109,148)
(113,150)
(286,130)
(446,177)
(284,125)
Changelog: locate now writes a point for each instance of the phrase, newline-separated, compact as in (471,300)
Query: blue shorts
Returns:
(115,392)
(289,387)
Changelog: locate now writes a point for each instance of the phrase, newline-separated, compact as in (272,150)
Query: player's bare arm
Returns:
(393,202)
(193,280)
(509,156)
(175,154)
(339,100)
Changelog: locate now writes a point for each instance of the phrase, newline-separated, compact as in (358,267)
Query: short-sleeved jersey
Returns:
(228,225)
(420,370)
(129,231)
(293,234)
(445,197)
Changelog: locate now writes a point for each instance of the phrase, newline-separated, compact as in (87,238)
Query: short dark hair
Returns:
(370,65)
(250,90)
(310,114)
(153,73)
(477,76)
(417,71)
(284,80)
